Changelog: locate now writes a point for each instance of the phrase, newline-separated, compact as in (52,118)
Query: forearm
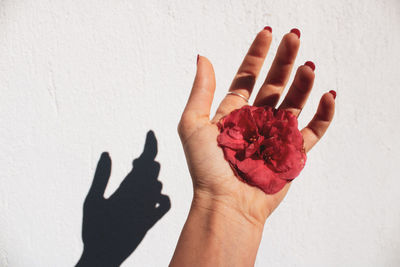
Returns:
(103,258)
(87,259)
(215,234)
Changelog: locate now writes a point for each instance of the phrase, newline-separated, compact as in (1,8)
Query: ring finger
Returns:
(300,89)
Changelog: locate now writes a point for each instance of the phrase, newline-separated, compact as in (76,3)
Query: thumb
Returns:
(150,147)
(101,176)
(200,100)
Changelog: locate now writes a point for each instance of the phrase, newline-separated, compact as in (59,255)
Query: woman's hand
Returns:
(212,176)
(216,188)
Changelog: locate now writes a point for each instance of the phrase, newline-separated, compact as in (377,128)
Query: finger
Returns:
(164,205)
(150,147)
(280,70)
(300,89)
(247,73)
(320,122)
(101,176)
(201,96)
(200,99)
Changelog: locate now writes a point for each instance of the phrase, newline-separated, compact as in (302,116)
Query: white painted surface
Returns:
(81,77)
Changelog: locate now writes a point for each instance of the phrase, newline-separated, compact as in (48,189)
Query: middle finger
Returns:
(280,70)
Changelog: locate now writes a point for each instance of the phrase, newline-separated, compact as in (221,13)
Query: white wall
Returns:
(81,77)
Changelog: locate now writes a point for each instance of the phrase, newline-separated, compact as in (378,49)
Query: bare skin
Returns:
(227,216)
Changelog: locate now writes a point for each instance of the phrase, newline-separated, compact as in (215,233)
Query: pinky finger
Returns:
(320,122)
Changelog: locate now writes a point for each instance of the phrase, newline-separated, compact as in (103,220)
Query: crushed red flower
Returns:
(263,146)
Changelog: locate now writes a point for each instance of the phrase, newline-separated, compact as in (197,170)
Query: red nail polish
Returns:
(268,28)
(198,56)
(333,93)
(310,64)
(296,31)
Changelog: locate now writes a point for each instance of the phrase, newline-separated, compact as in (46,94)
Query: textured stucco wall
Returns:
(81,77)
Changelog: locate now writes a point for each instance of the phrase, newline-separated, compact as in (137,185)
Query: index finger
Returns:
(100,180)
(247,74)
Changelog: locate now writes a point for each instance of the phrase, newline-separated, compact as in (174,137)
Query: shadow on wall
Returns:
(113,228)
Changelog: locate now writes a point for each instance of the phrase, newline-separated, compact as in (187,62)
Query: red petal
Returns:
(251,133)
(256,173)
(231,140)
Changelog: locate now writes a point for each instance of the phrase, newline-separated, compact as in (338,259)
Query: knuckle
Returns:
(180,128)
(184,124)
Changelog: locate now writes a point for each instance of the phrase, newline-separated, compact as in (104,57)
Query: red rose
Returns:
(263,146)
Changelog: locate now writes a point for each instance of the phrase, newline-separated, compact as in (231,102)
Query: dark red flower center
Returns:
(252,139)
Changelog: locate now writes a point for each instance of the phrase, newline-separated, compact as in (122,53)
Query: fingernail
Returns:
(333,92)
(268,28)
(198,56)
(310,64)
(295,31)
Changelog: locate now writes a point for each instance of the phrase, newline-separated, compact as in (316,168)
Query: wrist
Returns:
(226,208)
(217,234)
(89,259)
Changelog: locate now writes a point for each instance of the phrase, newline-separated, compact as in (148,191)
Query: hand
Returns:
(213,179)
(113,228)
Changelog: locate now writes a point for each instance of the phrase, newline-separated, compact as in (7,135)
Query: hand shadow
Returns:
(113,228)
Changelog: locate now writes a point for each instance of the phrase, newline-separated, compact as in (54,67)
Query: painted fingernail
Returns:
(333,92)
(198,56)
(268,28)
(310,64)
(296,31)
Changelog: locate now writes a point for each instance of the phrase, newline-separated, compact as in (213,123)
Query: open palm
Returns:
(211,173)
